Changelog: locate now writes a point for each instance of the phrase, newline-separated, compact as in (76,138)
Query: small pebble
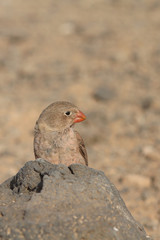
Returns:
(104,94)
(115,229)
(67,28)
(138,180)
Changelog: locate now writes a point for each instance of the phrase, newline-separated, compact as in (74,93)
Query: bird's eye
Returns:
(68,113)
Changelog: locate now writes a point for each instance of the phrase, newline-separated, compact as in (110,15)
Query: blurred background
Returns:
(104,56)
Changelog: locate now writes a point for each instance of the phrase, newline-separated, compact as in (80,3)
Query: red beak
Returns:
(79,117)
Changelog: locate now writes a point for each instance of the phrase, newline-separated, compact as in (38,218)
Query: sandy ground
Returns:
(104,56)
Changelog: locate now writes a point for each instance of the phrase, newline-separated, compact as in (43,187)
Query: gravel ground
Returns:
(104,56)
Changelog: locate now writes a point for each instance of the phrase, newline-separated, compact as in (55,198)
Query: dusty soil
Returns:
(104,56)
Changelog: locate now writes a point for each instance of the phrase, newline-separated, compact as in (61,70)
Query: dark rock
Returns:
(146,103)
(13,35)
(45,201)
(104,93)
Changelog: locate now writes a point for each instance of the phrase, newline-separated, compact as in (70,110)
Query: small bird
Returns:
(55,139)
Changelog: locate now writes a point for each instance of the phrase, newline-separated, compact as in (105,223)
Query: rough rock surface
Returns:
(45,201)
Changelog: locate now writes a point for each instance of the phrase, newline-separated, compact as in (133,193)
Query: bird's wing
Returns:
(82,148)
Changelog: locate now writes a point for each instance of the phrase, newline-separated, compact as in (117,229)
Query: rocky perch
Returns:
(46,201)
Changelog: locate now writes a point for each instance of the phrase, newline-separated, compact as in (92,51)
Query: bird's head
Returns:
(59,116)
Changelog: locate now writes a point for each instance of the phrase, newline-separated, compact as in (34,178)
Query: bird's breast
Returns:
(58,147)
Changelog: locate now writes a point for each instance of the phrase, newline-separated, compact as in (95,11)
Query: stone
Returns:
(104,93)
(137,180)
(46,201)
(146,103)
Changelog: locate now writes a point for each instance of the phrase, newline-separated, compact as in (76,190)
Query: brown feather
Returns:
(82,148)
